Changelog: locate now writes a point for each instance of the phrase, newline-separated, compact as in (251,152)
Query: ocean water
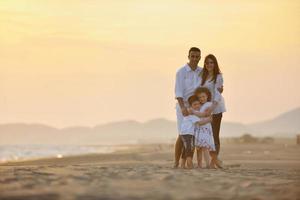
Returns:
(26,152)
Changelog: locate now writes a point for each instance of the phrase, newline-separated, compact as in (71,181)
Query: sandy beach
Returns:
(252,171)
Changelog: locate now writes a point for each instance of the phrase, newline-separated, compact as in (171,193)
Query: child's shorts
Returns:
(188,146)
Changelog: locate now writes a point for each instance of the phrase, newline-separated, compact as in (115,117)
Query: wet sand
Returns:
(252,171)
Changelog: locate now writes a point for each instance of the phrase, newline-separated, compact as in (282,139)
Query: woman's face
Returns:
(202,97)
(209,65)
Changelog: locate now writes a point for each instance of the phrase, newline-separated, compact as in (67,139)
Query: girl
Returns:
(204,140)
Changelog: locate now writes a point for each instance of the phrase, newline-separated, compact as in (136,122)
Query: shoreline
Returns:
(144,152)
(119,150)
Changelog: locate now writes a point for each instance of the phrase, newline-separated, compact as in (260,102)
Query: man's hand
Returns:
(184,111)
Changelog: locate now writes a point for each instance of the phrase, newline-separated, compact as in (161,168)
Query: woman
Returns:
(211,78)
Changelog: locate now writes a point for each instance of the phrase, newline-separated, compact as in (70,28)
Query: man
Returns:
(187,80)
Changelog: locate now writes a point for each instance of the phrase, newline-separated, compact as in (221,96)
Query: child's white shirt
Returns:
(188,125)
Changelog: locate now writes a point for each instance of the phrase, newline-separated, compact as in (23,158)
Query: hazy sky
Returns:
(87,62)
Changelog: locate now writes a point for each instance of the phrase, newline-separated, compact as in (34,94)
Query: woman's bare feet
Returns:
(212,164)
(219,163)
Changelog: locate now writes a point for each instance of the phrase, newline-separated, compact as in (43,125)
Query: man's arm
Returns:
(184,110)
(179,87)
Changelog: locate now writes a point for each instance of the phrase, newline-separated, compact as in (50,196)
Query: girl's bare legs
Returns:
(206,157)
(199,157)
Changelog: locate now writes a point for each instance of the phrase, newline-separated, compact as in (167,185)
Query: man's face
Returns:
(196,105)
(194,58)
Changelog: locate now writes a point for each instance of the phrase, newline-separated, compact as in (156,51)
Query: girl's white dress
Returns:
(204,134)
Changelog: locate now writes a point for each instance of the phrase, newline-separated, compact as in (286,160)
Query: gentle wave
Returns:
(25,152)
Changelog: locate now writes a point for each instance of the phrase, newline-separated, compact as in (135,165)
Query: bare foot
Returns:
(212,165)
(219,164)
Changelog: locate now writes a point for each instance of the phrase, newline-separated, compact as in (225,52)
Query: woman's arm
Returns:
(219,83)
(220,89)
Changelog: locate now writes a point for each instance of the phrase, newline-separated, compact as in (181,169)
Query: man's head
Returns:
(194,57)
(194,102)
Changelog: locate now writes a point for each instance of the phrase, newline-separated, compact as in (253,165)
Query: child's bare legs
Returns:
(199,156)
(183,159)
(188,151)
(206,157)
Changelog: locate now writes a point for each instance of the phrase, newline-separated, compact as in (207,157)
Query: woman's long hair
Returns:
(204,72)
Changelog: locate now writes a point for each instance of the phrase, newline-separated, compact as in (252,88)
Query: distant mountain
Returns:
(157,130)
(286,124)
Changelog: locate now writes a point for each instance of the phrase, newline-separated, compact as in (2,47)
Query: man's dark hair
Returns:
(194,49)
(192,99)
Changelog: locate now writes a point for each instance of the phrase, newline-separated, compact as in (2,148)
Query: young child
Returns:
(187,132)
(204,140)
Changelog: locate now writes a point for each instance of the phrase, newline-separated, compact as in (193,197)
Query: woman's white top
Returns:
(216,95)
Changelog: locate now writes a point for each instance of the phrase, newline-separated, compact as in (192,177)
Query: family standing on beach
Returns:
(199,111)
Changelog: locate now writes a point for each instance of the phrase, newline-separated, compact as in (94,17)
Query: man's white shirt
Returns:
(187,80)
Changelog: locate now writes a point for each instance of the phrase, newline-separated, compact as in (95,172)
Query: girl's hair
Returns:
(205,90)
(204,72)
